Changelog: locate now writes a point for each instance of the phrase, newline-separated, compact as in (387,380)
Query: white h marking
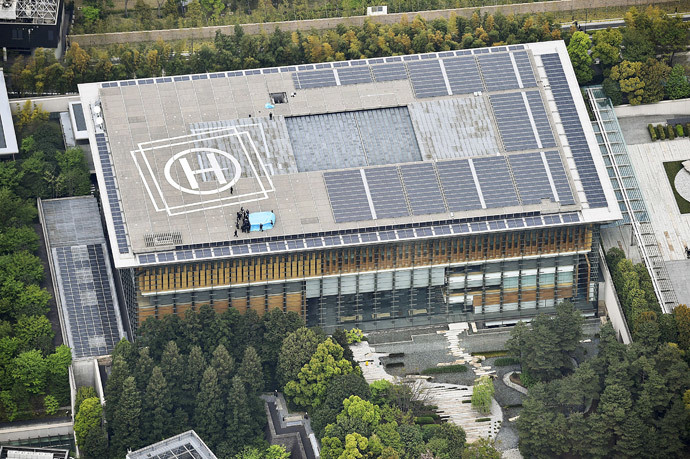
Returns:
(215,168)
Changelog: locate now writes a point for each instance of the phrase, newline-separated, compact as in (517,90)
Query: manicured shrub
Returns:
(652,132)
(671,133)
(51,404)
(679,130)
(687,129)
(506,361)
(482,419)
(422,420)
(446,369)
(661,132)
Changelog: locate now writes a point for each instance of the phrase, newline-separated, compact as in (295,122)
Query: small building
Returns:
(186,445)
(8,139)
(23,452)
(29,24)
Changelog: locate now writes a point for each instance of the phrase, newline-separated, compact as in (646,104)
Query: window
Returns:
(279,98)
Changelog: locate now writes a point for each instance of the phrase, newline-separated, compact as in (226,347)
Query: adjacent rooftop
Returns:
(344,148)
(186,445)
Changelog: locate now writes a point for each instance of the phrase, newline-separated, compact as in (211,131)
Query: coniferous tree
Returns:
(172,364)
(127,420)
(224,365)
(238,417)
(157,407)
(113,387)
(209,412)
(143,369)
(196,365)
(250,372)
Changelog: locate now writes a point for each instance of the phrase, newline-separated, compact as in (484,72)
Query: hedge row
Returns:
(446,369)
(661,132)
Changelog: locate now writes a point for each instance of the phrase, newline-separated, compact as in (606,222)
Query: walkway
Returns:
(285,423)
(627,189)
(447,397)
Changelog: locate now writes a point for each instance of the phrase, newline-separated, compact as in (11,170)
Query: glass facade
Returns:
(397,284)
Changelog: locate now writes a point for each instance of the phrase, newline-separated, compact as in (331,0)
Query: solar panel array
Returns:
(515,112)
(531,177)
(88,299)
(541,120)
(574,131)
(387,192)
(347,195)
(463,75)
(317,79)
(525,69)
(560,179)
(79,117)
(427,78)
(366,235)
(111,191)
(354,75)
(423,191)
(495,181)
(458,185)
(498,72)
(389,72)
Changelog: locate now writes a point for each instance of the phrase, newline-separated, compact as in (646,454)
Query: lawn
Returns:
(672,168)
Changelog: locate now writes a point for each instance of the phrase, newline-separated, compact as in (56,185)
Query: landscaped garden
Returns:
(672,168)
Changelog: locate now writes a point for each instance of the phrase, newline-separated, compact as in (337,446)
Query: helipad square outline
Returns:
(195,137)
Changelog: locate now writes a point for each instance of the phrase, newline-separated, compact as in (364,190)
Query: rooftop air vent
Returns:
(163,239)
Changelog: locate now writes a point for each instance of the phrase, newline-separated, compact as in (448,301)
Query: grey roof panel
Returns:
(347,196)
(498,72)
(427,78)
(495,181)
(458,185)
(513,121)
(541,120)
(560,179)
(422,188)
(463,75)
(524,69)
(531,177)
(387,192)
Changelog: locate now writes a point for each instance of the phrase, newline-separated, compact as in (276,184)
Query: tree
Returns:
(578,50)
(309,388)
(628,76)
(34,332)
(57,373)
(196,365)
(449,440)
(142,372)
(654,75)
(224,365)
(126,420)
(682,315)
(482,448)
(250,372)
(482,394)
(172,365)
(295,352)
(239,417)
(29,370)
(16,239)
(277,325)
(89,416)
(607,47)
(51,405)
(14,210)
(340,337)
(677,86)
(612,90)
(83,393)
(157,407)
(113,387)
(22,266)
(210,409)
(337,390)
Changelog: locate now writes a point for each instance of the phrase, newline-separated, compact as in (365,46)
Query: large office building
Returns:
(407,190)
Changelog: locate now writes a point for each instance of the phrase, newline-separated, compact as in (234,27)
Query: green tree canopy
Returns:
(578,50)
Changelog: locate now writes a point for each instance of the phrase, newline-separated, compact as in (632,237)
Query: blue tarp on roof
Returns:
(262,220)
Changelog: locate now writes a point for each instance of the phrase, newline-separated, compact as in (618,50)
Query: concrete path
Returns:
(465,358)
(447,397)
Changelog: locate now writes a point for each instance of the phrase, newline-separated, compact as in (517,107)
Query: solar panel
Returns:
(531,178)
(574,131)
(386,192)
(389,72)
(427,79)
(79,117)
(541,121)
(315,79)
(354,75)
(524,66)
(111,192)
(513,121)
(495,181)
(88,299)
(422,188)
(347,196)
(463,75)
(498,72)
(458,185)
(560,179)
